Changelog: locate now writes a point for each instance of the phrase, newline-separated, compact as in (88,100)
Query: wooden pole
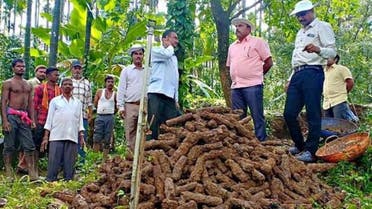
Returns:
(141,126)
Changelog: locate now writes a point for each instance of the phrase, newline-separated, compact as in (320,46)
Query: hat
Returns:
(51,69)
(134,48)
(235,21)
(76,63)
(40,66)
(303,5)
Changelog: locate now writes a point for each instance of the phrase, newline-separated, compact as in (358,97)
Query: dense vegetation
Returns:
(116,25)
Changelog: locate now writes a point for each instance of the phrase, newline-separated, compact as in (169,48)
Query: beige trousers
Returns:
(131,119)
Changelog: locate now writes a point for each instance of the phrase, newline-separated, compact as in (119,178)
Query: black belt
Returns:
(135,103)
(305,67)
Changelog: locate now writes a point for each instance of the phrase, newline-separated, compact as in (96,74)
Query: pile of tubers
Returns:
(209,158)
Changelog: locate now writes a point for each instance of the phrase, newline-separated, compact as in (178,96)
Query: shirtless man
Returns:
(18,118)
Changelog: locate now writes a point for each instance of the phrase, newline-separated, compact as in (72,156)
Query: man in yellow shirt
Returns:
(338,83)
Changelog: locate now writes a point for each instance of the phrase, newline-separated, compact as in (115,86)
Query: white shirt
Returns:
(320,34)
(106,106)
(130,86)
(164,75)
(65,119)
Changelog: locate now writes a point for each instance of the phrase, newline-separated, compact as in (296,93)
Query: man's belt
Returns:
(305,67)
(135,103)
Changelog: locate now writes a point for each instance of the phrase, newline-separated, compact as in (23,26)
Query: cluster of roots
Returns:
(209,158)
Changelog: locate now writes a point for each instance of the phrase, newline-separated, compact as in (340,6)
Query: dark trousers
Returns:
(305,89)
(61,153)
(81,151)
(160,109)
(253,98)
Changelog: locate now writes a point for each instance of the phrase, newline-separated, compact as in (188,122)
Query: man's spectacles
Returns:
(301,14)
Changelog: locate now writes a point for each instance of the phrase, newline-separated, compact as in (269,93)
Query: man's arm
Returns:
(349,84)
(160,54)
(268,63)
(96,97)
(89,101)
(120,100)
(4,104)
(30,106)
(38,95)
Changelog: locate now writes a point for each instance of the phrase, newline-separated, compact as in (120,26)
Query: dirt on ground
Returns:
(209,158)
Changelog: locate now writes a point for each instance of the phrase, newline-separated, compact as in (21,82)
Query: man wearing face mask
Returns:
(315,43)
(248,60)
(163,84)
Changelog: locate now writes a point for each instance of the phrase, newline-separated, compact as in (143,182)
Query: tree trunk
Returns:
(222,20)
(88,28)
(28,39)
(55,33)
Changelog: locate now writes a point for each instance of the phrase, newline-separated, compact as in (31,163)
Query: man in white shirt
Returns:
(105,102)
(315,43)
(163,84)
(129,93)
(63,128)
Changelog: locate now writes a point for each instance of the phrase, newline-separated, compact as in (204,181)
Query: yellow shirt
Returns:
(334,88)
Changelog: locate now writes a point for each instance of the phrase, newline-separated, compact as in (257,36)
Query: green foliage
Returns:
(355,179)
(21,193)
(9,50)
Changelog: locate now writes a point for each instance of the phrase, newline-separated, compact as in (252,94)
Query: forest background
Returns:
(99,33)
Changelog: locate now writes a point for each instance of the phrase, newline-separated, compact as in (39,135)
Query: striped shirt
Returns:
(83,91)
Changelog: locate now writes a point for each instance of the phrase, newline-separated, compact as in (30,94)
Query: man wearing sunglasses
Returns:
(314,44)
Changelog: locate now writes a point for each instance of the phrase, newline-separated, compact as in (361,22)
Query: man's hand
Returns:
(44,144)
(81,140)
(122,114)
(6,126)
(311,48)
(286,85)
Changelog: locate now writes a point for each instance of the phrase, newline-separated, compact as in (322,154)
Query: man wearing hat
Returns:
(42,96)
(248,60)
(83,91)
(39,76)
(315,43)
(129,93)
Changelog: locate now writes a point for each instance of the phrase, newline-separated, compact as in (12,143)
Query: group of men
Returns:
(42,115)
(45,116)
(60,115)
(249,59)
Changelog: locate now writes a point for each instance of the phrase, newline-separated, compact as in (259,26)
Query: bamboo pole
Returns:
(141,125)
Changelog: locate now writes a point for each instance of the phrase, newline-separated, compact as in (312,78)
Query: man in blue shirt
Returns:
(163,84)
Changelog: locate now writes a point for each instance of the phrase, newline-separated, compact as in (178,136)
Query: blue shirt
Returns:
(164,75)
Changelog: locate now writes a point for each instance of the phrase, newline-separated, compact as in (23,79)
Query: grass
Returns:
(352,177)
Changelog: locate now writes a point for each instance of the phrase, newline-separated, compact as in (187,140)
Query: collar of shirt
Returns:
(246,39)
(133,67)
(312,24)
(330,67)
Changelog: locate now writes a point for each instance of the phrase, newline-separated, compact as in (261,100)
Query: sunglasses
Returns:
(301,14)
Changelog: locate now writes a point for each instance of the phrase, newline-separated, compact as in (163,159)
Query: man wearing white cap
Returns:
(129,93)
(248,60)
(315,43)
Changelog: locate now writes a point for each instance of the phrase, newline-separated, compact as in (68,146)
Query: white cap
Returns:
(134,48)
(236,21)
(301,6)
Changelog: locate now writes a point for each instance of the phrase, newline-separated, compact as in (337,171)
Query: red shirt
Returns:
(42,113)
